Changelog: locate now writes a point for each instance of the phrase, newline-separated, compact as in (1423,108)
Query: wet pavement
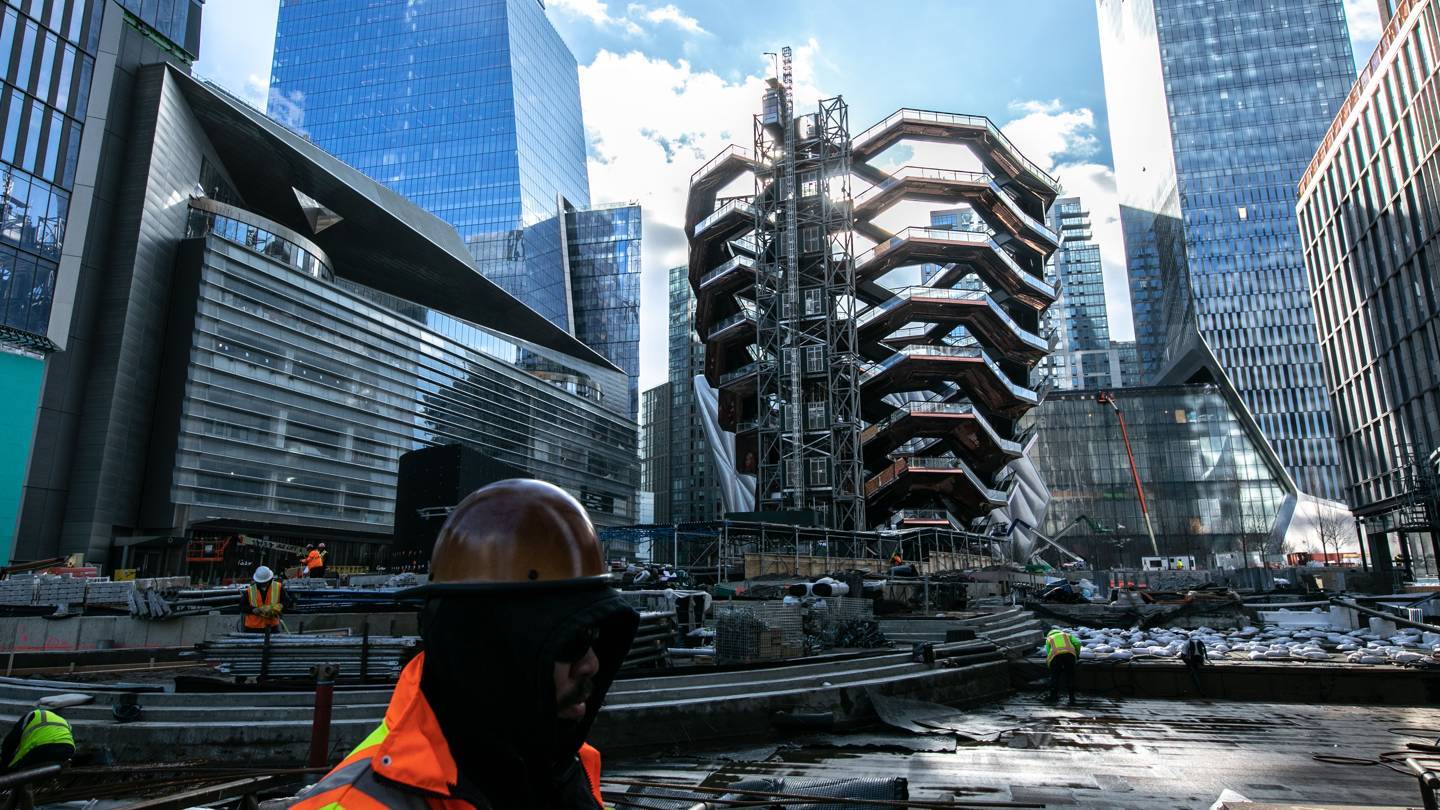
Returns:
(1130,753)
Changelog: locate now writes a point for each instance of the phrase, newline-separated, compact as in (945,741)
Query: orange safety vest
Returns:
(405,762)
(254,621)
(313,560)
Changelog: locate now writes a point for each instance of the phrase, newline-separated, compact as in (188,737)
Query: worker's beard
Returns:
(579,693)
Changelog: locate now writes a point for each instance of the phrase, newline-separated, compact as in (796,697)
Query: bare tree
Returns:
(1329,530)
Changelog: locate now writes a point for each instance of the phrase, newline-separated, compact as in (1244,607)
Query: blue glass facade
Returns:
(604,256)
(1224,104)
(470,108)
(48,61)
(1079,320)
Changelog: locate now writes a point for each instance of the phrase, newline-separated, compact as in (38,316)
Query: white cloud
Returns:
(1063,141)
(667,14)
(1364,18)
(597,12)
(650,124)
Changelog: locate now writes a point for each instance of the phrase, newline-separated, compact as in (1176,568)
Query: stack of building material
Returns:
(657,633)
(19,591)
(279,655)
(757,631)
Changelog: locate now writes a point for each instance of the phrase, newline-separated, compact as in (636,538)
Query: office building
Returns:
(1369,209)
(1215,109)
(903,413)
(1078,325)
(694,493)
(282,335)
(655,450)
(472,111)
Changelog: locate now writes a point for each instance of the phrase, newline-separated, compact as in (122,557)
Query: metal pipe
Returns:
(320,723)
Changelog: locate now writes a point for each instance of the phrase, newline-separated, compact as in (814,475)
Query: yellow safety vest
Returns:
(1059,642)
(42,728)
(255,621)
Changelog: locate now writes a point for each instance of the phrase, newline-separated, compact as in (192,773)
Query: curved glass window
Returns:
(258,239)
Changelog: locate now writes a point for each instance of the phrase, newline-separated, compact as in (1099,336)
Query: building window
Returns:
(819,472)
(811,236)
(809,184)
(814,301)
(814,359)
(815,416)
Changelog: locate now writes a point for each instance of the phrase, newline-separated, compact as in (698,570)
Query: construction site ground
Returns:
(1118,753)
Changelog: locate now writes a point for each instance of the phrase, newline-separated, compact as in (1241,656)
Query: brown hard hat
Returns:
(516,532)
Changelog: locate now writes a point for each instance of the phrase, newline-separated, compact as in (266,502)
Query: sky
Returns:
(665,86)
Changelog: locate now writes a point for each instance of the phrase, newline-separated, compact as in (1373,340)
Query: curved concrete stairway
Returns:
(1014,630)
(680,708)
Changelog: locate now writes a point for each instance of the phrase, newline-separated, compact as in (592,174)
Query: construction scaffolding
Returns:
(806,398)
(729,551)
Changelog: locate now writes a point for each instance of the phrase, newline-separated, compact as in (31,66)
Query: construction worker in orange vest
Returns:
(261,604)
(314,562)
(523,636)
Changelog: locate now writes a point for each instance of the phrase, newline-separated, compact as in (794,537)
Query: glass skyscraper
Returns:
(1215,110)
(1079,319)
(469,108)
(603,249)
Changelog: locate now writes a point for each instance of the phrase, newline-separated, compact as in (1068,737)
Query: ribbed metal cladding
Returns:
(302,394)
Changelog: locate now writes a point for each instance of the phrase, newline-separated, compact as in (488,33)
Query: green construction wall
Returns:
(20,378)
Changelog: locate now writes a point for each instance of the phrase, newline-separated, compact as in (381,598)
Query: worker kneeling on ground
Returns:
(262,603)
(1062,652)
(40,737)
(523,637)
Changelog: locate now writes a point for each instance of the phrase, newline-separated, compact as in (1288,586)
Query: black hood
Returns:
(489,676)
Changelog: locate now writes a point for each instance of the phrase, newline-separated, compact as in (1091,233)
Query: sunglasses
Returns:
(577,645)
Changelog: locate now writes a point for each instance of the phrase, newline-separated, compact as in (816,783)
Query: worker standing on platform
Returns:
(262,603)
(523,636)
(324,556)
(1062,652)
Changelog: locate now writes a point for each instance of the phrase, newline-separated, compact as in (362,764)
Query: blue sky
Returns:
(666,85)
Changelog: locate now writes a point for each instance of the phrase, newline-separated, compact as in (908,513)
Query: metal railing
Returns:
(958,237)
(724,154)
(986,179)
(972,352)
(909,293)
(904,464)
(957,119)
(738,261)
(738,318)
(744,371)
(735,206)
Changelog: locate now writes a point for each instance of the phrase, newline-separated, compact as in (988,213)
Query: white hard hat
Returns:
(263,574)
